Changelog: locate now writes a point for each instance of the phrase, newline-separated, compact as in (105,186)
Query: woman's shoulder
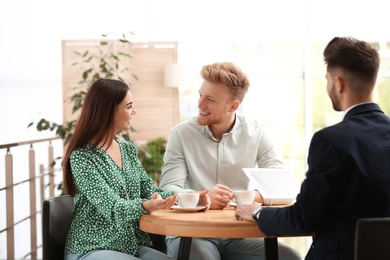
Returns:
(82,150)
(128,145)
(124,142)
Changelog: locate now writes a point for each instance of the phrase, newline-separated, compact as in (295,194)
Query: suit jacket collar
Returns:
(363,108)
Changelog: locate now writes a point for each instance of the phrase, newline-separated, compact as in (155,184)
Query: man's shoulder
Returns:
(249,122)
(339,131)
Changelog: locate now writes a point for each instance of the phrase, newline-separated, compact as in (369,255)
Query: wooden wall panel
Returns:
(157,106)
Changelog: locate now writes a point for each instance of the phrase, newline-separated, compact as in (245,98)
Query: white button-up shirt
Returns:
(195,160)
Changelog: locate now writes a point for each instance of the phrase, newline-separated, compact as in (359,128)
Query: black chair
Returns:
(158,242)
(56,219)
(372,239)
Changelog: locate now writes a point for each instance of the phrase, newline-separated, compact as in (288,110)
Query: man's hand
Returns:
(220,195)
(204,199)
(244,212)
(258,197)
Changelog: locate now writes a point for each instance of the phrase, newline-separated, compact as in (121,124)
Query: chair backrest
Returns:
(372,239)
(56,219)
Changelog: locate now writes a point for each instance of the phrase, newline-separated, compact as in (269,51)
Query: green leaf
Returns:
(53,126)
(88,60)
(53,163)
(96,76)
(86,73)
(125,54)
(114,57)
(124,70)
(43,125)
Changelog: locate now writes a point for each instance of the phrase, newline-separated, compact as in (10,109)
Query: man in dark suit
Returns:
(349,163)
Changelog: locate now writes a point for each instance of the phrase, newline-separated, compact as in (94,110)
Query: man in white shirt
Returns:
(209,152)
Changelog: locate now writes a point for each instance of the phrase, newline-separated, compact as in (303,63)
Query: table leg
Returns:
(271,248)
(184,248)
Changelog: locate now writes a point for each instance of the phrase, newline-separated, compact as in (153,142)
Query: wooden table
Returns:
(209,224)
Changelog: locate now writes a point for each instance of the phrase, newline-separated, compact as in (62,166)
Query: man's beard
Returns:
(333,98)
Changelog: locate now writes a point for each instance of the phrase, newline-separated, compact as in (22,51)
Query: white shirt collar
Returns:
(348,109)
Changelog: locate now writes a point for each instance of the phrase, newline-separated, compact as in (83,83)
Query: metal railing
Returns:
(46,180)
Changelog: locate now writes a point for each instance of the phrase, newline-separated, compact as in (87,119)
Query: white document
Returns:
(277,186)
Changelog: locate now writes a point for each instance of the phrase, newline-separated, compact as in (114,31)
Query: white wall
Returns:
(31,34)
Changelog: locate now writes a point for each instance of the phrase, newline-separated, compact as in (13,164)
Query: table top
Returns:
(210,223)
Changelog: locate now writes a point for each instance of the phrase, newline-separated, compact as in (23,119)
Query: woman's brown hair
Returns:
(96,121)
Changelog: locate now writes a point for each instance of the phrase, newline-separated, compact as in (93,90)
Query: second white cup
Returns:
(244,196)
(188,200)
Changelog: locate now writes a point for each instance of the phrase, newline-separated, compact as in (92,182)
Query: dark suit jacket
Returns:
(348,178)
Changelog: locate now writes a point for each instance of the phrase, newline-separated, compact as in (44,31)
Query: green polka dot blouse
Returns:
(108,202)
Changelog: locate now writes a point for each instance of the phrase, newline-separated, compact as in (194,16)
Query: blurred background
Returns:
(278,44)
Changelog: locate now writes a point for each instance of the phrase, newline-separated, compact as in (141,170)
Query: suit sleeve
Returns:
(317,195)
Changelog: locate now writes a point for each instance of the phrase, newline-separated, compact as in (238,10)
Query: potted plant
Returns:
(151,156)
(105,62)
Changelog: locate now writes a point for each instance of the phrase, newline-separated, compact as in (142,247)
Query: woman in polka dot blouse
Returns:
(111,189)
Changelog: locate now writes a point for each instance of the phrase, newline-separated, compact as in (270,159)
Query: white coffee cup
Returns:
(244,196)
(188,200)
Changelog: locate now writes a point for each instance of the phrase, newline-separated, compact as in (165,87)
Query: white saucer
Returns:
(232,204)
(197,208)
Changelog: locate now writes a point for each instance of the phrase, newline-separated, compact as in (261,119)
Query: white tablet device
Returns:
(276,185)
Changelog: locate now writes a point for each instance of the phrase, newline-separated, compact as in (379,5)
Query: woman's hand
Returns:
(157,202)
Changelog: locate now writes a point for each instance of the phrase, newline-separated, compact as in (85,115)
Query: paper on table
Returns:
(277,186)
